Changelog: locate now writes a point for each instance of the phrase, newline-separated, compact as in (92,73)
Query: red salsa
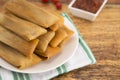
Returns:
(88,5)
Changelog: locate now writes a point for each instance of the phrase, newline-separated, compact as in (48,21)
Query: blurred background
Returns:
(102,37)
(66,1)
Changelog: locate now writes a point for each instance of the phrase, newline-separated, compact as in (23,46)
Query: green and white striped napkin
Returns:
(82,57)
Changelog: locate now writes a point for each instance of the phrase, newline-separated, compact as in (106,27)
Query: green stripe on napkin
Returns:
(0,77)
(20,76)
(59,70)
(27,76)
(15,75)
(64,68)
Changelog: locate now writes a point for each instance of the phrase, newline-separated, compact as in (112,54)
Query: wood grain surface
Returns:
(67,1)
(103,37)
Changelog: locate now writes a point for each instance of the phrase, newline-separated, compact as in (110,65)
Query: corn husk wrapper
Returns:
(16,58)
(25,47)
(25,29)
(31,12)
(44,40)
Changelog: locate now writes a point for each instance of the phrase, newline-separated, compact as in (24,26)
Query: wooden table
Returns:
(103,37)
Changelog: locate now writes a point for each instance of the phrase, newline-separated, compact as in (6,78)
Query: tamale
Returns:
(60,35)
(69,33)
(44,41)
(31,12)
(16,58)
(58,24)
(25,29)
(50,52)
(25,47)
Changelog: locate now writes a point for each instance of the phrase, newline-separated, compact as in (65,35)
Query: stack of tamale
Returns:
(29,34)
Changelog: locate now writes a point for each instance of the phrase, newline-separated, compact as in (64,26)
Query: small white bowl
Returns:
(85,14)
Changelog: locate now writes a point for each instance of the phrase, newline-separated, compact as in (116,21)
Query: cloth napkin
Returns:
(82,57)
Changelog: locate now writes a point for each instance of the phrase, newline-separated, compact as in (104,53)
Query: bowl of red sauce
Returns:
(86,9)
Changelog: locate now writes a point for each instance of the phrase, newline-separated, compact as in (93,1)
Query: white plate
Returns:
(67,52)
